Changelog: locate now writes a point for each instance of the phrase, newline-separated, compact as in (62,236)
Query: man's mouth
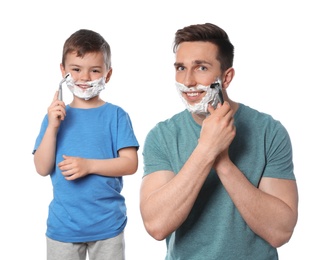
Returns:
(193,95)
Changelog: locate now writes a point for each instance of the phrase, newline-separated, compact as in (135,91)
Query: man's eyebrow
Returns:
(197,62)
(201,62)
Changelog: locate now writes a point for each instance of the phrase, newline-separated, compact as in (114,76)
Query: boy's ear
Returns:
(62,68)
(108,76)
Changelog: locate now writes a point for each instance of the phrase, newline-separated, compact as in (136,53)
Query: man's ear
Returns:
(108,76)
(228,77)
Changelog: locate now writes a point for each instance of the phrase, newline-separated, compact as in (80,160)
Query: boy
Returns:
(86,147)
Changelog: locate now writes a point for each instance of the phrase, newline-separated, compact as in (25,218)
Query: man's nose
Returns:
(189,80)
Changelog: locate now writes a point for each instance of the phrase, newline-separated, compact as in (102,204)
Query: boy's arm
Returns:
(75,167)
(44,156)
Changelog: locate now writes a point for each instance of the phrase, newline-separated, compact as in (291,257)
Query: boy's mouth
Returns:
(83,86)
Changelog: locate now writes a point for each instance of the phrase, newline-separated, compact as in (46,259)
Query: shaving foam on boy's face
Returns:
(211,97)
(93,88)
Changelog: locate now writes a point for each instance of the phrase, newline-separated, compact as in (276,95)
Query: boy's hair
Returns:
(86,41)
(208,32)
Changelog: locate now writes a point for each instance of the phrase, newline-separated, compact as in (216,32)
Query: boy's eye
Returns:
(76,69)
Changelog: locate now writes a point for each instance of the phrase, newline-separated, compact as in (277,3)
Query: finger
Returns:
(211,108)
(64,162)
(63,112)
(56,95)
(66,157)
(65,173)
(58,112)
(71,177)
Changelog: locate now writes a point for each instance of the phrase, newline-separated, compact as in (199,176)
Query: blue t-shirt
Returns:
(214,229)
(90,208)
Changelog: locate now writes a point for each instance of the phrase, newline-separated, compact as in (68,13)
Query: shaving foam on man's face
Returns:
(200,108)
(85,90)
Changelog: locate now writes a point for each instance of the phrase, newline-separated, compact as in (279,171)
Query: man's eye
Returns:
(202,68)
(180,68)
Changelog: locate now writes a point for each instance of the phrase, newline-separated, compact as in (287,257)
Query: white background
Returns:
(283,67)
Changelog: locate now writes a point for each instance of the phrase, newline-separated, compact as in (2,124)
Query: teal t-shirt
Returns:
(214,229)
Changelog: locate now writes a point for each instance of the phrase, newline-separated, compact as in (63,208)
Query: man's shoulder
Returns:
(171,124)
(174,119)
(246,112)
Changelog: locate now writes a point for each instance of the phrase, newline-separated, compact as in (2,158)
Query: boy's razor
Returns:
(60,87)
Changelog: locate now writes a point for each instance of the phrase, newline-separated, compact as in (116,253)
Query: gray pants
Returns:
(108,249)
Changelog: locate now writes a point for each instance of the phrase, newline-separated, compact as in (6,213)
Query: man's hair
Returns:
(208,32)
(86,41)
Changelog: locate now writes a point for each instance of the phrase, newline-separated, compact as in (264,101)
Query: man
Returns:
(218,178)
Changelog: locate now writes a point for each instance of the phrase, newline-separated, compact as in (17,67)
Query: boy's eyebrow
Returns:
(75,65)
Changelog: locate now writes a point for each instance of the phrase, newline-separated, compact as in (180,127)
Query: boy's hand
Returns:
(56,111)
(73,168)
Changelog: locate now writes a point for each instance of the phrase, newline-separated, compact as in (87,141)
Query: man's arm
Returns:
(166,199)
(271,210)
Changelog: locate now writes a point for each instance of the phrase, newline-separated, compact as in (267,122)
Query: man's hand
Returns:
(218,130)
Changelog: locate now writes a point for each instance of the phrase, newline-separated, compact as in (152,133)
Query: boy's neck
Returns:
(91,103)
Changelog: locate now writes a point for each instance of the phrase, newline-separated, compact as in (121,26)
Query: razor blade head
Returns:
(215,85)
